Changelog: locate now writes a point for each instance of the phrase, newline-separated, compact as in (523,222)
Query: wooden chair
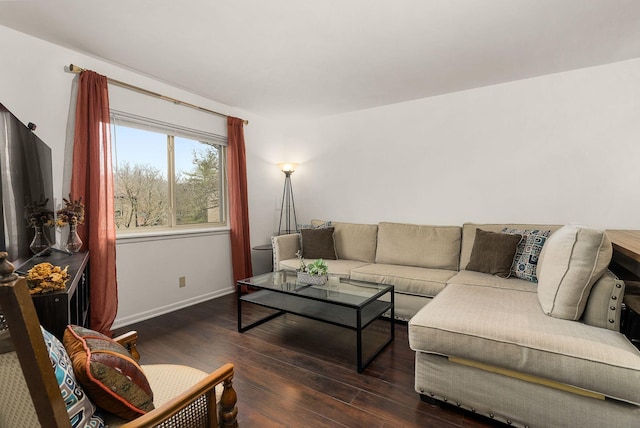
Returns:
(195,405)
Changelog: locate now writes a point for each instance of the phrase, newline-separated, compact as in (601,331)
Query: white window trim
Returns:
(177,231)
(166,234)
(140,122)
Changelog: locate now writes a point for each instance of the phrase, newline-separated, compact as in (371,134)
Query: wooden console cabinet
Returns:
(71,306)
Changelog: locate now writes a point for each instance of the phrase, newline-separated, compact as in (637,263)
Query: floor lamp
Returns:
(288,206)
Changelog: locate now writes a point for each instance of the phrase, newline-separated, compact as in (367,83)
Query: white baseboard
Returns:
(125,321)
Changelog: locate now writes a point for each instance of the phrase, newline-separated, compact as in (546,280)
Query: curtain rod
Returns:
(77,70)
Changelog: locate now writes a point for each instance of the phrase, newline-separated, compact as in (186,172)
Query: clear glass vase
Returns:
(40,242)
(74,243)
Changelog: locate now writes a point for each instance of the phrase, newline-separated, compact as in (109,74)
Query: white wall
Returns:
(555,149)
(35,87)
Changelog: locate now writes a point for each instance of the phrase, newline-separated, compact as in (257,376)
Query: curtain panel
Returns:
(92,180)
(238,200)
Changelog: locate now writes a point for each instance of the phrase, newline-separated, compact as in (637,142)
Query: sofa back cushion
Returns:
(436,247)
(353,241)
(469,235)
(572,260)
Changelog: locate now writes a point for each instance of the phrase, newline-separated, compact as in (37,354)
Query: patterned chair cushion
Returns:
(81,410)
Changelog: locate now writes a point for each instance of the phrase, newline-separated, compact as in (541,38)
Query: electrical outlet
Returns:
(182,281)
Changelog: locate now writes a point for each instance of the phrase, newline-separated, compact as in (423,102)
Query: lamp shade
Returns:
(287,167)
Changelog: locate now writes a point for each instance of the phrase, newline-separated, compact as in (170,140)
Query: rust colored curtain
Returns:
(238,200)
(92,179)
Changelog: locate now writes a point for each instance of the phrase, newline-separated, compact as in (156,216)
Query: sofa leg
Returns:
(429,400)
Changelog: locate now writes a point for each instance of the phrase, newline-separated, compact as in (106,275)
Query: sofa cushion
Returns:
(318,243)
(406,279)
(436,247)
(341,268)
(493,253)
(110,376)
(16,408)
(506,328)
(168,381)
(572,260)
(484,280)
(469,235)
(354,241)
(528,252)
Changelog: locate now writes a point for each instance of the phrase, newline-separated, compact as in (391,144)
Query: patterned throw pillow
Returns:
(526,260)
(80,408)
(110,376)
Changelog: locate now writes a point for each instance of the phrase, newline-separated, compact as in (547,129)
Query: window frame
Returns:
(120,118)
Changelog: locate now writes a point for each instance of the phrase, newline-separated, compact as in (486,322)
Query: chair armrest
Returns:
(284,247)
(130,341)
(206,387)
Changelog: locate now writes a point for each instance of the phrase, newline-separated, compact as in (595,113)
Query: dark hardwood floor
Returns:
(295,372)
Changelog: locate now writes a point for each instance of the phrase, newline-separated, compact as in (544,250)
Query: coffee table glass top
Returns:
(344,291)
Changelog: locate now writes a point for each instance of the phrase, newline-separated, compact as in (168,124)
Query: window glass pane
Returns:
(140,178)
(198,182)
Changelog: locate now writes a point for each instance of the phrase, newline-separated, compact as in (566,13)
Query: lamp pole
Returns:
(288,204)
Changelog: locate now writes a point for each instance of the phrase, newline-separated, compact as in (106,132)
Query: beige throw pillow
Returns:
(571,261)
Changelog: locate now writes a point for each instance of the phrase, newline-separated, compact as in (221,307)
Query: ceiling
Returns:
(288,58)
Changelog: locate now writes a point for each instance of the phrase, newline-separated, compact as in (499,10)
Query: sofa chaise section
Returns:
(506,328)
(487,344)
(493,351)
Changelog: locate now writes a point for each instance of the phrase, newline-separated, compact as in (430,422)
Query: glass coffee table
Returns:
(343,302)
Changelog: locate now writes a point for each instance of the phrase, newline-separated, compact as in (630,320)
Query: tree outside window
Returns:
(164,180)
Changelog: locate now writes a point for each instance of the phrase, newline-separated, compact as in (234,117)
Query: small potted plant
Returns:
(314,273)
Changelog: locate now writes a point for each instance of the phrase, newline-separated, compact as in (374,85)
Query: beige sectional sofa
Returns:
(508,348)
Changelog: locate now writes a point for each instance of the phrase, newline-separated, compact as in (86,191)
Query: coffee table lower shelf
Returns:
(325,311)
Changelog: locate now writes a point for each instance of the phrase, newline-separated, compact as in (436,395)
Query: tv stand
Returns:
(70,306)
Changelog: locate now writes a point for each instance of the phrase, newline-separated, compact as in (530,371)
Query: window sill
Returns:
(165,234)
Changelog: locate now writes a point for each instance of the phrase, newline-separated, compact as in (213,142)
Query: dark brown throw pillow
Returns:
(318,244)
(493,253)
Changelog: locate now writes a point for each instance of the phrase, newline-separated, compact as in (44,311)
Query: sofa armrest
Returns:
(284,247)
(604,306)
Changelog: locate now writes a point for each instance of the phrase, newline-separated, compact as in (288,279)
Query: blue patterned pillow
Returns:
(80,408)
(525,261)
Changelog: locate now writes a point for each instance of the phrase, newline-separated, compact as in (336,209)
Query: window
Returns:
(166,176)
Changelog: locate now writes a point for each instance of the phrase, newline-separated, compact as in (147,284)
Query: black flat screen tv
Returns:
(25,178)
